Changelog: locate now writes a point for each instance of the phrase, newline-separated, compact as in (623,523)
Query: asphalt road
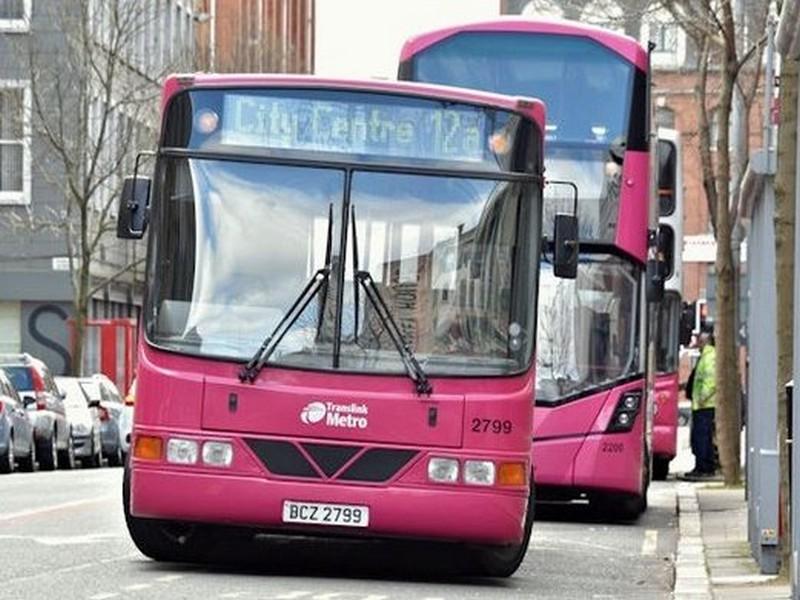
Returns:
(62,535)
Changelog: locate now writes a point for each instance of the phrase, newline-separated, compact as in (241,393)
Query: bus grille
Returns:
(330,461)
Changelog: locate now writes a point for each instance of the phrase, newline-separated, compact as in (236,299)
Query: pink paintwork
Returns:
(530,107)
(573,451)
(633,205)
(665,420)
(188,397)
(625,46)
(446,513)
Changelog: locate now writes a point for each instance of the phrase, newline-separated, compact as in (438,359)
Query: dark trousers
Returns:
(702,440)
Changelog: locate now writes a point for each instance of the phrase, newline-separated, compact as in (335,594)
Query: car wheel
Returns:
(48,453)
(66,458)
(7,458)
(115,459)
(503,561)
(165,541)
(28,464)
(97,456)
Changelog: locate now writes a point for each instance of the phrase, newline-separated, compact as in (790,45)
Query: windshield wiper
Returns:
(250,371)
(413,368)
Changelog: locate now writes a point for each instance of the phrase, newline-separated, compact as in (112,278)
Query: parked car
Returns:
(38,391)
(17,446)
(102,389)
(84,417)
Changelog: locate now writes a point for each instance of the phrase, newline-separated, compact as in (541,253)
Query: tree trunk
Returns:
(727,368)
(82,296)
(784,278)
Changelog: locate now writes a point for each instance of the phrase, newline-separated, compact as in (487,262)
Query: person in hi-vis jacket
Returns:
(702,390)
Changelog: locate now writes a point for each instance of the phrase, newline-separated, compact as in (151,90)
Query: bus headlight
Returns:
(217,454)
(479,472)
(443,470)
(181,452)
(624,417)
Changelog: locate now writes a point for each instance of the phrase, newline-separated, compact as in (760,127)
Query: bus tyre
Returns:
(503,561)
(163,541)
(660,468)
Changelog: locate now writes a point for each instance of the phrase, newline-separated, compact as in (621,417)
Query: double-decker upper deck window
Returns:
(15,15)
(12,143)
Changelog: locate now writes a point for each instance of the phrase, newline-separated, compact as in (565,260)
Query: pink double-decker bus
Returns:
(593,421)
(339,325)
(669,331)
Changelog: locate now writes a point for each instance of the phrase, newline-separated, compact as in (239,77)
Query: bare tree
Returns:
(726,64)
(93,103)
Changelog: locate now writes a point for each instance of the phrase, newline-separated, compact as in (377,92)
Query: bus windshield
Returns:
(234,242)
(587,329)
(587,88)
(588,91)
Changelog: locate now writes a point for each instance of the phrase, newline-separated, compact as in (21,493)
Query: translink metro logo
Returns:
(348,416)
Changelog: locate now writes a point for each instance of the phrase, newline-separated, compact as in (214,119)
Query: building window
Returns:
(15,15)
(665,37)
(665,117)
(15,157)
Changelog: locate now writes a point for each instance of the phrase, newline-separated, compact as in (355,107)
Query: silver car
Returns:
(35,385)
(84,417)
(17,446)
(101,389)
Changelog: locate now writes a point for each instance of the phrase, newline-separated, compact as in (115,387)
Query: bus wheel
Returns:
(619,507)
(164,541)
(503,561)
(660,468)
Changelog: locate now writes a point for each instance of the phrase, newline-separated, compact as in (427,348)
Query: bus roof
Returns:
(625,46)
(532,108)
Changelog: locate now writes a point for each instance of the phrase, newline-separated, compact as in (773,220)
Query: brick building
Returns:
(256,36)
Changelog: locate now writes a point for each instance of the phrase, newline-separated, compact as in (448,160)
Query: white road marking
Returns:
(650,542)
(136,587)
(53,508)
(169,578)
(291,595)
(104,596)
(49,574)
(63,540)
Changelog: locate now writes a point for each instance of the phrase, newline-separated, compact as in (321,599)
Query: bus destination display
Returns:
(373,128)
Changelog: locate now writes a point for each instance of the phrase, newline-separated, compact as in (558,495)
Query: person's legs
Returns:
(704,440)
(693,435)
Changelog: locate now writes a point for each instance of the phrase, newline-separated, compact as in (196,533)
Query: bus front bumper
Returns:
(452,514)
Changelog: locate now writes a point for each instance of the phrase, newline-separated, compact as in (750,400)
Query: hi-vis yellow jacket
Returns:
(704,388)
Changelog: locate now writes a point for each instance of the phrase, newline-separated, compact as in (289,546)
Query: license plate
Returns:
(342,515)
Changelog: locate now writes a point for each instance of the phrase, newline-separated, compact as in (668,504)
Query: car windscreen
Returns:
(75,397)
(91,389)
(20,377)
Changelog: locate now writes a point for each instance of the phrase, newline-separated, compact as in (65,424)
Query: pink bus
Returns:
(592,425)
(339,325)
(669,331)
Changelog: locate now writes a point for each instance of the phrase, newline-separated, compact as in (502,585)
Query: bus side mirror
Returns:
(133,204)
(565,253)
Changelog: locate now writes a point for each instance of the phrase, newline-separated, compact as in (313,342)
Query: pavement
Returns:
(713,557)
